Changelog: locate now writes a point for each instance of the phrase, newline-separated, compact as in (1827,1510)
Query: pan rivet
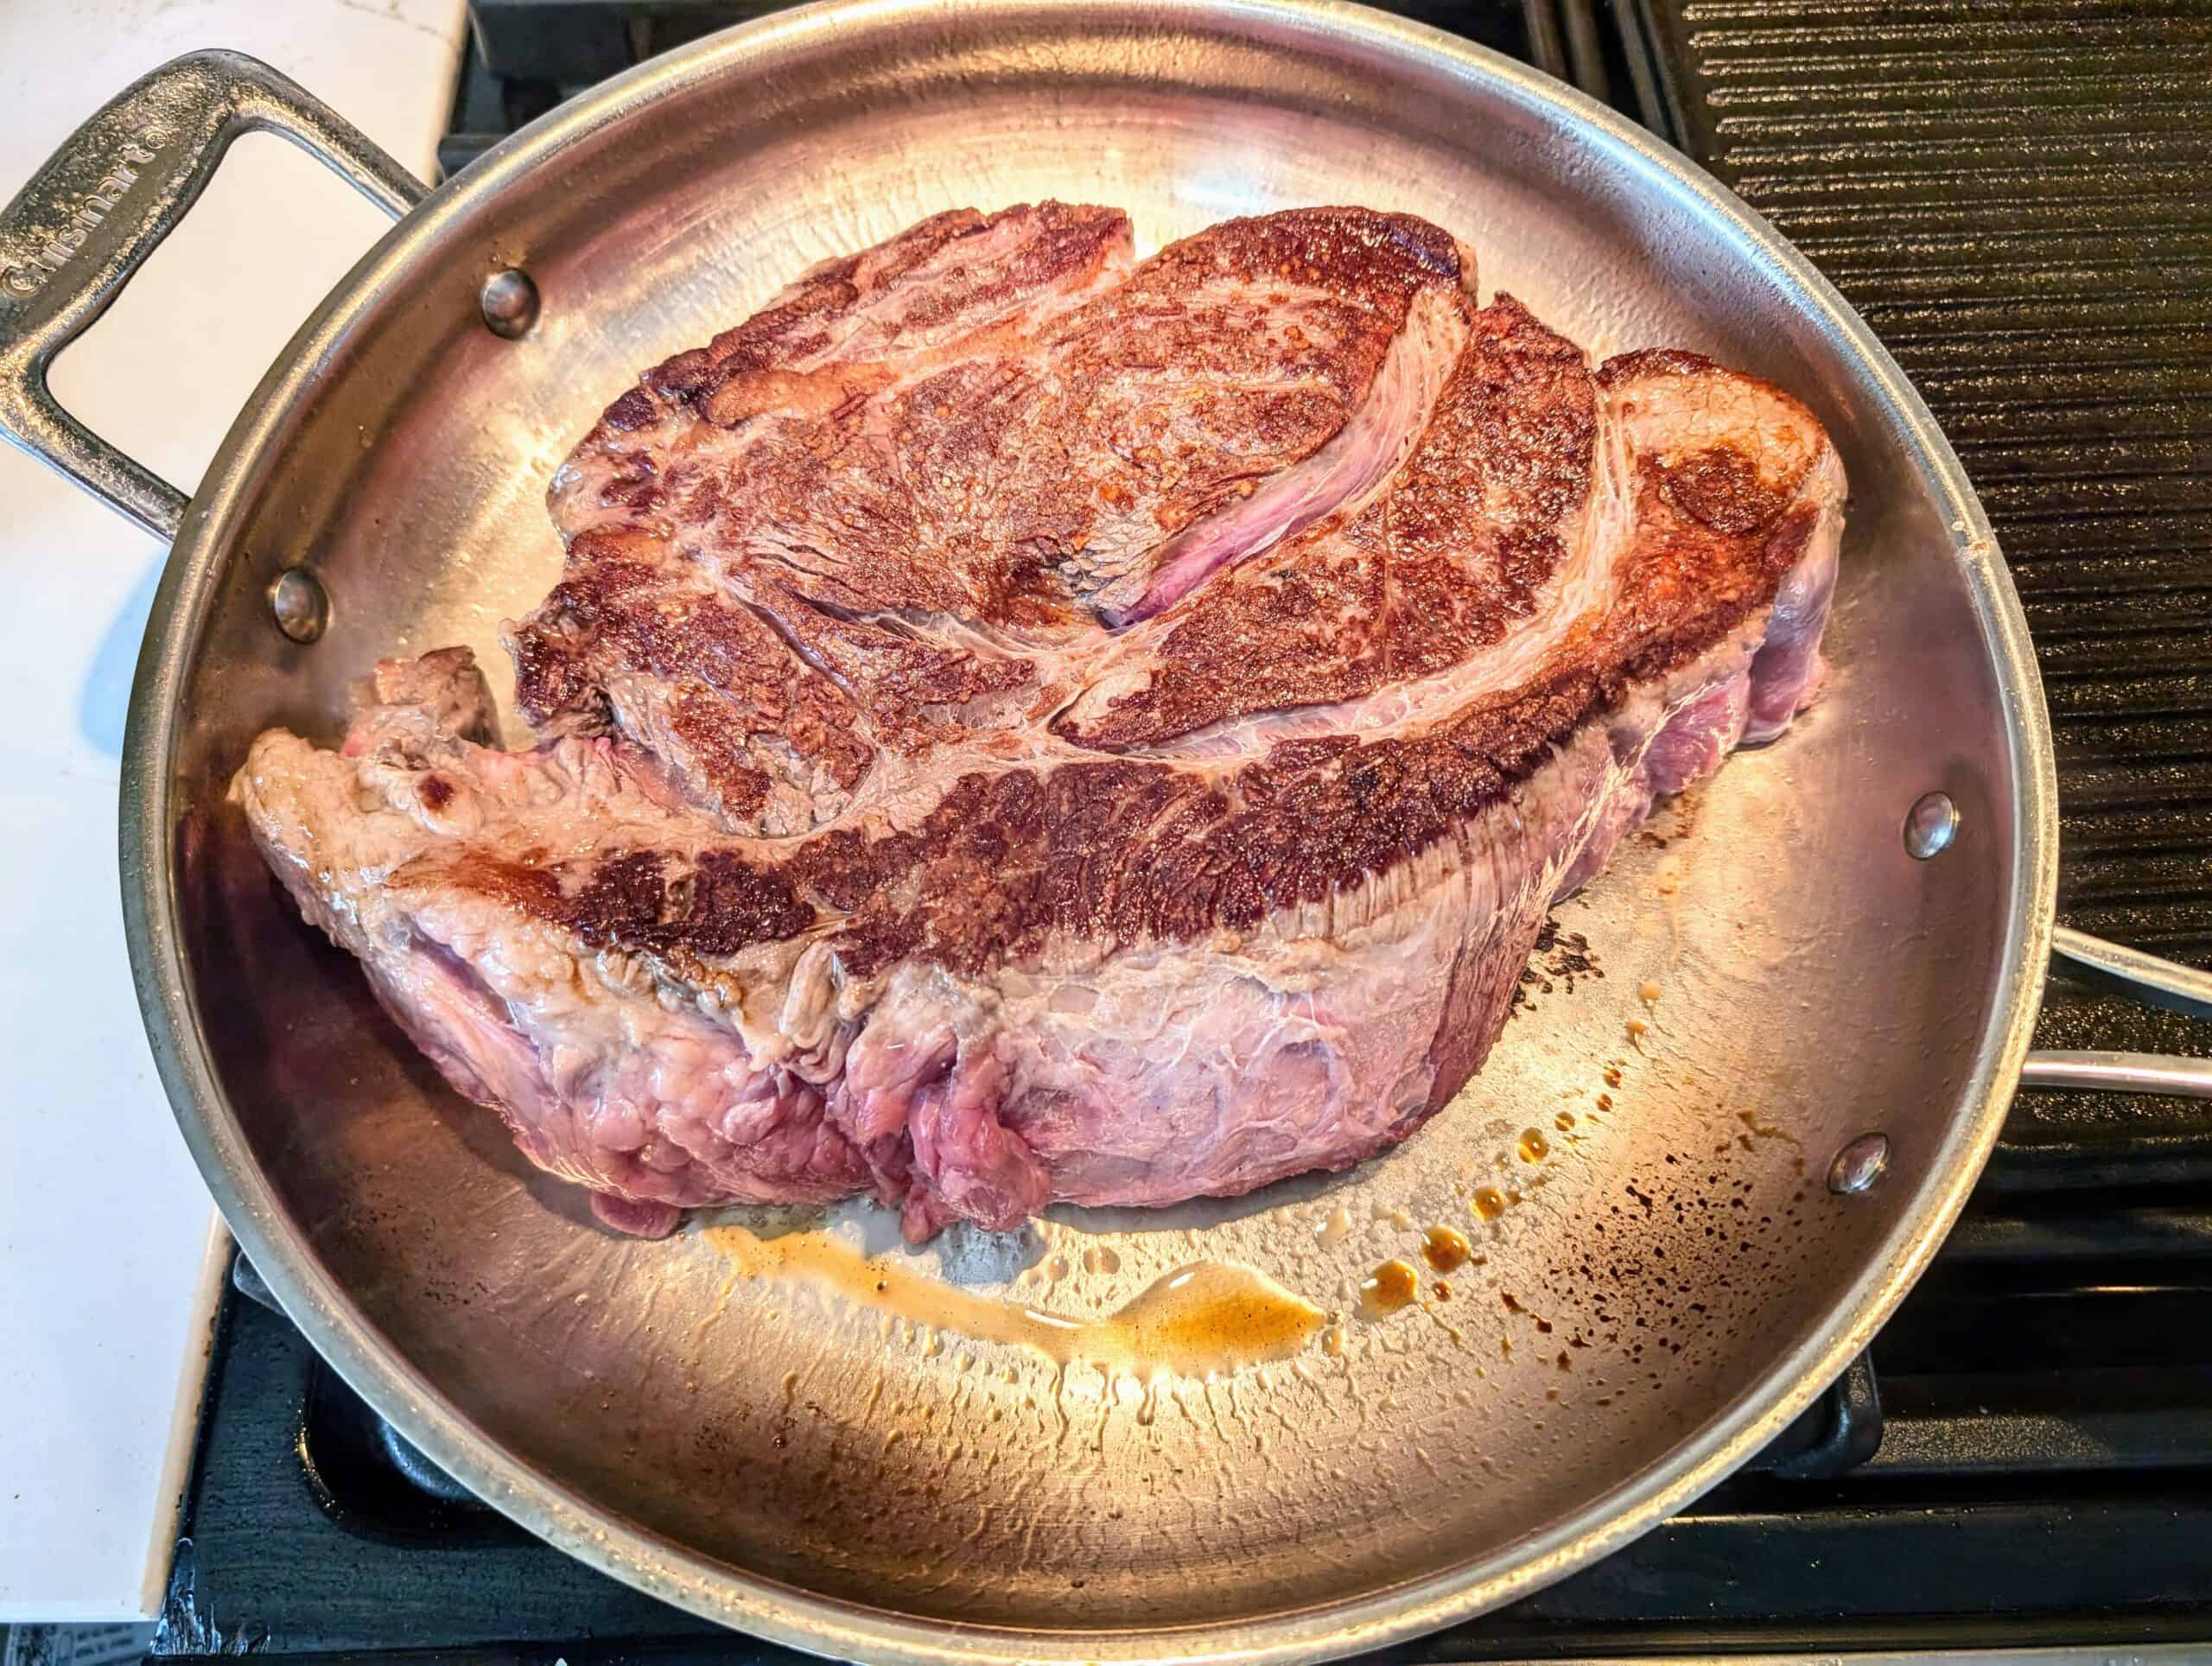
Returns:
(300,604)
(508,301)
(1858,1165)
(1930,824)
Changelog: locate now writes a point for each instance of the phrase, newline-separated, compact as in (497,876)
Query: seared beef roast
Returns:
(1018,724)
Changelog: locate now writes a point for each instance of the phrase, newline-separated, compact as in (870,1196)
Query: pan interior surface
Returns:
(1640,1170)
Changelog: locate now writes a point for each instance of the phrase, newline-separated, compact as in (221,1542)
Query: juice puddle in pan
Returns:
(1207,1317)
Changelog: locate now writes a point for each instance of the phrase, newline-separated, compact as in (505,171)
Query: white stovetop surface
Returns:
(108,1246)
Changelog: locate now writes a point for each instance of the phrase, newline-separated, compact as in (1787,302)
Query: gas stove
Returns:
(2019,206)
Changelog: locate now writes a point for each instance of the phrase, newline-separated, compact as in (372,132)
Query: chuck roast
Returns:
(1018,723)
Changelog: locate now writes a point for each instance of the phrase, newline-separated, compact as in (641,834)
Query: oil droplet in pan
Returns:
(1489,1202)
(1445,1250)
(1533,1147)
(1389,1287)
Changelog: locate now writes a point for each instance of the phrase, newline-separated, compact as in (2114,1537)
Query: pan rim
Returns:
(771,1609)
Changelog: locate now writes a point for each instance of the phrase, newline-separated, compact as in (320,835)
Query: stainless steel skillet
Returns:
(1842,969)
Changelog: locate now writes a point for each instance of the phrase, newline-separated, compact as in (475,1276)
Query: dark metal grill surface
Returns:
(2018,197)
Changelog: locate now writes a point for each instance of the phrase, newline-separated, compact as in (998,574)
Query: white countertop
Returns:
(107,1258)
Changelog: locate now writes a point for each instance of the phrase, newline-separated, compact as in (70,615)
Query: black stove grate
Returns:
(2020,200)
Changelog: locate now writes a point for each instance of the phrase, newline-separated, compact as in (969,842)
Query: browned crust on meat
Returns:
(1416,582)
(1370,266)
(1373,259)
(635,900)
(853,501)
(918,691)
(733,688)
(797,324)
(1720,486)
(1124,850)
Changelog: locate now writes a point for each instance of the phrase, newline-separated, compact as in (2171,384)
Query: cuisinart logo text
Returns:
(93,207)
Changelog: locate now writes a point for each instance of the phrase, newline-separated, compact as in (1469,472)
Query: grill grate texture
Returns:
(2018,198)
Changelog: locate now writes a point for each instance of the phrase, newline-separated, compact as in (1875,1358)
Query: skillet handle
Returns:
(2120,1072)
(2160,982)
(2149,979)
(74,236)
